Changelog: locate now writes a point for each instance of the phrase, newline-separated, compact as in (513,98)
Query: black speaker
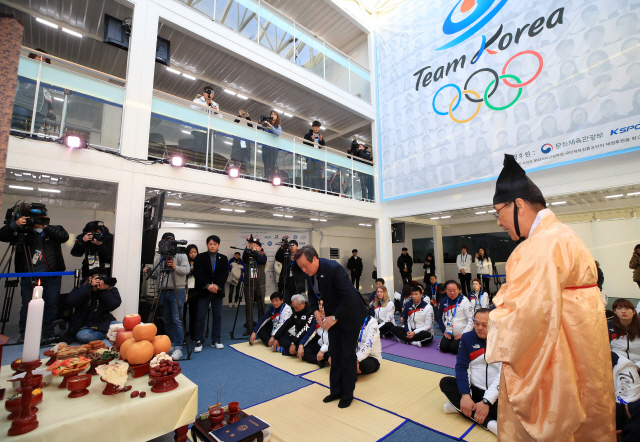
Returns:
(397,232)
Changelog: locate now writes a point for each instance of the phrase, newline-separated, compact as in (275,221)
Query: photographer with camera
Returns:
(206,99)
(95,243)
(272,125)
(241,149)
(211,270)
(179,267)
(358,150)
(292,279)
(93,303)
(255,281)
(314,177)
(38,250)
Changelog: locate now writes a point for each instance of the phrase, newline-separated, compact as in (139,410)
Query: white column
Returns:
(128,239)
(438,252)
(140,73)
(384,252)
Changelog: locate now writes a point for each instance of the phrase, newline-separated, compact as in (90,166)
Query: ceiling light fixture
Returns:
(74,33)
(278,110)
(173,71)
(229,92)
(558,203)
(174,204)
(21,187)
(436,217)
(368,225)
(239,211)
(49,190)
(323,220)
(186,132)
(633,193)
(313,219)
(287,114)
(48,23)
(226,210)
(242,97)
(228,142)
(614,196)
(492,211)
(288,216)
(481,213)
(58,99)
(445,217)
(190,77)
(277,214)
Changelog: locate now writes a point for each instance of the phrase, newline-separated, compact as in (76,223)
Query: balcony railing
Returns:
(218,141)
(61,98)
(268,27)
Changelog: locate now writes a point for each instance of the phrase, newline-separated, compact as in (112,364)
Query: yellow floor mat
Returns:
(290,364)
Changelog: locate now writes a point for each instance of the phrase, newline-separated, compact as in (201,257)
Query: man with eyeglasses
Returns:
(549,328)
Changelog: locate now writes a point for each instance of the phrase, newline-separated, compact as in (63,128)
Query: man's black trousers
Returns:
(465,282)
(406,278)
(344,362)
(449,387)
(264,334)
(449,345)
(424,336)
(355,280)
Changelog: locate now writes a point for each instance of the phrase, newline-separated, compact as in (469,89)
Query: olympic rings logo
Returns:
(489,91)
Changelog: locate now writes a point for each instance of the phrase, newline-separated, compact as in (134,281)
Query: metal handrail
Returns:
(287,135)
(53,57)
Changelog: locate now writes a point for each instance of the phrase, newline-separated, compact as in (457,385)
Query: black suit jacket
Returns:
(204,274)
(340,297)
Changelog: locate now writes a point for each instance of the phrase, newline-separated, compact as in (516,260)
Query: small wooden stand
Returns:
(27,420)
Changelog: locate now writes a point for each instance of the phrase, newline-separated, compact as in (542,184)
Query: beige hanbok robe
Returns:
(550,333)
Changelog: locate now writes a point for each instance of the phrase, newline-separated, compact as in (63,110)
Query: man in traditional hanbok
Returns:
(549,329)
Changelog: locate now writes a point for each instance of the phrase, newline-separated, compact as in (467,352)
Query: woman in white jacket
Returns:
(624,331)
(477,297)
(485,267)
(383,310)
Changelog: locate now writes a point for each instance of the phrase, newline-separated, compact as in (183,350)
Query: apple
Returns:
(122,336)
(131,321)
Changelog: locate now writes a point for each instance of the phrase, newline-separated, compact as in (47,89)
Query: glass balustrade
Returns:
(273,30)
(54,100)
(218,141)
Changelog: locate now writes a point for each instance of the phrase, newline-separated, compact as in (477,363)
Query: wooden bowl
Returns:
(69,375)
(14,406)
(77,385)
(164,383)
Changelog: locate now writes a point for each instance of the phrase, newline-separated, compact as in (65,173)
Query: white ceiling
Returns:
(73,192)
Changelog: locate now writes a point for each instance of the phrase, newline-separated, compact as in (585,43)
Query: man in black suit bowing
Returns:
(210,270)
(345,315)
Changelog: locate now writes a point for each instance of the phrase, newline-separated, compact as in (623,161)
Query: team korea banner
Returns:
(462,82)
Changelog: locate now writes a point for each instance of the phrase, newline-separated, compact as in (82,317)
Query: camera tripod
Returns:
(162,284)
(11,285)
(252,281)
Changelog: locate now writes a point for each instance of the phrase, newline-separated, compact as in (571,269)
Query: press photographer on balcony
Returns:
(28,224)
(272,125)
(93,303)
(95,243)
(358,150)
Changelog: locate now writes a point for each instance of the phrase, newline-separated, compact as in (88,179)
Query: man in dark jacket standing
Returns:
(254,283)
(345,316)
(314,173)
(405,264)
(43,255)
(292,279)
(355,265)
(96,249)
(93,303)
(211,270)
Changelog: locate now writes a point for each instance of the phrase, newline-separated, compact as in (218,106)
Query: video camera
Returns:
(169,249)
(263,118)
(36,213)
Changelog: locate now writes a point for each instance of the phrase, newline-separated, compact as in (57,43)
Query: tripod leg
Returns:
(241,296)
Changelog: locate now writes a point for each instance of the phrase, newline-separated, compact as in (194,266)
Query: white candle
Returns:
(33,331)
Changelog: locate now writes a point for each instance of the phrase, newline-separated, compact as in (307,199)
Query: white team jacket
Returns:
(369,341)
(622,346)
(463,320)
(200,102)
(484,266)
(419,317)
(485,376)
(385,314)
(478,301)
(464,262)
(626,380)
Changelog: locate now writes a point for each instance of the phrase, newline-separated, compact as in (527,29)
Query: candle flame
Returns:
(38,282)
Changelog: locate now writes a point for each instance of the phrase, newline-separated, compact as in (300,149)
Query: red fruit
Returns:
(131,321)
(151,383)
(122,336)
(127,387)
(135,393)
(170,370)
(143,393)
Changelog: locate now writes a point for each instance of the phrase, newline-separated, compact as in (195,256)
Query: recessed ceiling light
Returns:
(277,214)
(278,110)
(492,211)
(481,213)
(633,193)
(45,176)
(49,190)
(55,179)
(242,97)
(186,132)
(226,210)
(48,23)
(445,217)
(362,225)
(313,219)
(368,225)
(58,99)
(190,77)
(173,71)
(288,216)
(174,204)
(27,174)
(21,187)
(229,92)
(614,196)
(74,33)
(287,114)
(558,203)
(228,142)
(436,217)
(239,211)
(323,220)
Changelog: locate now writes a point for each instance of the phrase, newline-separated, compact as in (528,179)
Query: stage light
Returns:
(233,172)
(176,161)
(73,142)
(276,180)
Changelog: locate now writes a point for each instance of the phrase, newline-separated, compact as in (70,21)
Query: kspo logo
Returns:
(471,16)
(489,91)
(622,130)
(546,148)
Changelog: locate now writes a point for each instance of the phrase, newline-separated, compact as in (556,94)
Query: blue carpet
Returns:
(410,432)
(424,365)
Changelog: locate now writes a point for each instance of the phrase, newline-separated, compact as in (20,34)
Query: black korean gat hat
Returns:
(514,183)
